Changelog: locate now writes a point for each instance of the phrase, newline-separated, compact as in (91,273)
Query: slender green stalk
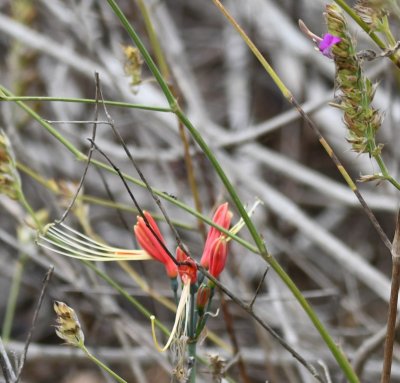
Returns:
(191,326)
(102,365)
(192,338)
(86,101)
(192,353)
(146,55)
(192,178)
(376,153)
(158,53)
(385,172)
(29,209)
(278,82)
(12,297)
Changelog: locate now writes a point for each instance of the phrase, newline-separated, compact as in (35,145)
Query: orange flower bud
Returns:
(222,217)
(218,254)
(203,296)
(149,242)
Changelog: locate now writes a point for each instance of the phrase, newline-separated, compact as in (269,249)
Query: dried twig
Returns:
(260,284)
(34,319)
(5,364)
(394,295)
(90,152)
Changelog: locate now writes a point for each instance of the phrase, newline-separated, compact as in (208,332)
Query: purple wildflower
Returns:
(326,44)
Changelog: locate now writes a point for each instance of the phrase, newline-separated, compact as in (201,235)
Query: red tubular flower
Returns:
(215,248)
(148,241)
(187,272)
(219,252)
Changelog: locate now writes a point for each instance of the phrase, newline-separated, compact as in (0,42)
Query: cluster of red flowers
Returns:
(214,254)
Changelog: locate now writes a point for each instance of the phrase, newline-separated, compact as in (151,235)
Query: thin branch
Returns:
(5,364)
(85,101)
(90,152)
(34,319)
(260,284)
(78,122)
(326,371)
(394,295)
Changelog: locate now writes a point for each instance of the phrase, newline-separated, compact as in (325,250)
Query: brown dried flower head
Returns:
(372,12)
(9,178)
(68,327)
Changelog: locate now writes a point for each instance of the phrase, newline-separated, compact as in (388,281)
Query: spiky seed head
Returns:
(357,91)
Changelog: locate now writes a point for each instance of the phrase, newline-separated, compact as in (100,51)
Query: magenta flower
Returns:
(326,44)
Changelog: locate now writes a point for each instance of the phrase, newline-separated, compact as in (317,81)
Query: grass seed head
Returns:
(372,12)
(9,178)
(68,327)
(357,91)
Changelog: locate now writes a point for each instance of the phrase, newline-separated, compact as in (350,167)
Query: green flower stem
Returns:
(387,32)
(192,354)
(192,338)
(12,297)
(278,82)
(379,160)
(339,356)
(102,365)
(203,319)
(85,101)
(191,326)
(374,150)
(28,208)
(146,55)
(158,53)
